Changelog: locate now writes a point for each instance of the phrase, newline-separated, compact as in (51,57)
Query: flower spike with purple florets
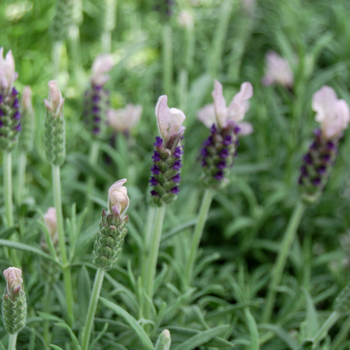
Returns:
(10,116)
(334,116)
(225,125)
(96,102)
(167,154)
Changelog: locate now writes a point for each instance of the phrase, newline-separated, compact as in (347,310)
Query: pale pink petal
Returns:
(219,104)
(343,112)
(27,99)
(240,104)
(207,115)
(102,64)
(245,128)
(277,71)
(169,120)
(118,196)
(323,103)
(50,219)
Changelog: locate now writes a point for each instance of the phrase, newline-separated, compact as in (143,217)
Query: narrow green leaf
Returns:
(253,330)
(144,338)
(311,320)
(6,233)
(55,347)
(201,338)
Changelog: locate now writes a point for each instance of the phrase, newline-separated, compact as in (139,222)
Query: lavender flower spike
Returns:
(10,116)
(334,116)
(96,101)
(167,153)
(226,125)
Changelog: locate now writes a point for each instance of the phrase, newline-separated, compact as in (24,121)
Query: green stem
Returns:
(56,57)
(167,60)
(47,310)
(106,40)
(12,341)
(280,263)
(202,217)
(323,331)
(56,179)
(8,188)
(74,41)
(21,175)
(153,256)
(342,335)
(92,307)
(147,242)
(93,157)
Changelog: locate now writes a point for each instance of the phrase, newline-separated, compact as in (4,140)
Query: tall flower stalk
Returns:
(109,23)
(55,150)
(165,180)
(218,153)
(25,143)
(96,104)
(334,116)
(109,241)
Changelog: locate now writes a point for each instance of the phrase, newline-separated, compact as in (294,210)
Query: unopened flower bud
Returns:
(185,19)
(55,134)
(118,200)
(14,305)
(10,116)
(102,64)
(164,341)
(25,142)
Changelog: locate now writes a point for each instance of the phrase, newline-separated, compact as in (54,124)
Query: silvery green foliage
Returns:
(342,302)
(62,20)
(110,239)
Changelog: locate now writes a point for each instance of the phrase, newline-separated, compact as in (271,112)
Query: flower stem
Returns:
(56,57)
(92,307)
(202,217)
(147,242)
(12,341)
(323,331)
(280,263)
(47,310)
(61,236)
(153,256)
(93,157)
(21,175)
(8,187)
(106,40)
(167,60)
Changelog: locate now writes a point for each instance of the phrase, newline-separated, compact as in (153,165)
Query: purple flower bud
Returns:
(178,152)
(326,158)
(96,98)
(222,165)
(213,129)
(153,181)
(17,115)
(219,175)
(300,181)
(154,193)
(95,109)
(1,112)
(97,119)
(237,129)
(14,92)
(18,127)
(316,181)
(209,141)
(177,165)
(204,163)
(159,141)
(175,190)
(97,88)
(303,170)
(1,124)
(96,130)
(308,159)
(317,132)
(330,145)
(1,99)
(156,156)
(313,146)
(16,103)
(224,153)
(227,141)
(321,170)
(177,178)
(204,152)
(155,170)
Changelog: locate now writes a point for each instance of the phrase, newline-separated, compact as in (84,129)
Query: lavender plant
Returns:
(10,124)
(165,179)
(108,243)
(55,150)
